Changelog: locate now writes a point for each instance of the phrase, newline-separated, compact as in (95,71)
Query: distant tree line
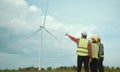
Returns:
(58,69)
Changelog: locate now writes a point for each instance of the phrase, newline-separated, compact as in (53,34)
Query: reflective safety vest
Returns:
(95,50)
(82,47)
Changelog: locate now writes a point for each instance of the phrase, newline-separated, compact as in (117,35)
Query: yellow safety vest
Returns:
(95,50)
(82,47)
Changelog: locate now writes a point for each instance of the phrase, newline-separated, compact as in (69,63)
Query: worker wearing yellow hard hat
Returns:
(95,39)
(95,49)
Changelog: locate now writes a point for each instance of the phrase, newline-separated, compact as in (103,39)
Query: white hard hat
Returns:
(84,33)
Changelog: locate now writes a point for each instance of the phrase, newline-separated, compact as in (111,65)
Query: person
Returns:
(83,51)
(100,56)
(95,49)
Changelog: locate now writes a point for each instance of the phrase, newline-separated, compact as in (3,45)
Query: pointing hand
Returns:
(66,34)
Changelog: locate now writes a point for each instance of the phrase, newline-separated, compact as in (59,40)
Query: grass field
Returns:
(60,69)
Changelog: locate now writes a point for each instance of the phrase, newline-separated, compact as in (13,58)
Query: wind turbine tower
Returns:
(42,29)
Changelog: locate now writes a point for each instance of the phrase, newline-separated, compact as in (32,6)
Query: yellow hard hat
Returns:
(95,38)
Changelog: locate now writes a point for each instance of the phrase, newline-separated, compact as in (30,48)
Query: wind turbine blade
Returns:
(38,30)
(45,14)
(34,33)
(52,35)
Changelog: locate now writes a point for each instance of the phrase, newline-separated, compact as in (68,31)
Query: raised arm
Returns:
(72,38)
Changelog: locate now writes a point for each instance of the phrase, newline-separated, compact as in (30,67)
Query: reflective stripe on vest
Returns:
(95,49)
(82,48)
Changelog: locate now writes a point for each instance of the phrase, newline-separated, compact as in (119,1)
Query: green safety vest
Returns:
(82,47)
(95,50)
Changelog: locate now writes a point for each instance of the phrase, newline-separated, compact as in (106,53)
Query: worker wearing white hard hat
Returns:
(83,51)
(84,33)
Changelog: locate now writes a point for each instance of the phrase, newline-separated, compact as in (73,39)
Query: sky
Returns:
(20,19)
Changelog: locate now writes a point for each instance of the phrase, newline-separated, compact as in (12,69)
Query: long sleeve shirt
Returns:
(101,50)
(76,40)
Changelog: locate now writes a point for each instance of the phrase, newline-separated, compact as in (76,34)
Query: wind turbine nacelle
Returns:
(41,27)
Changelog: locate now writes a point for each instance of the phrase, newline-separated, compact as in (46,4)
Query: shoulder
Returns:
(101,43)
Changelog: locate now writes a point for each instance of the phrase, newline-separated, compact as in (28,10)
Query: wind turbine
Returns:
(42,28)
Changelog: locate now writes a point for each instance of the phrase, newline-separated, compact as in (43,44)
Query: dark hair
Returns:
(84,36)
(99,40)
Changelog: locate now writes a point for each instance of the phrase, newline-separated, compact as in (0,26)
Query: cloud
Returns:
(25,19)
(10,10)
(18,20)
(22,18)
(56,14)
(13,61)
(33,8)
(54,25)
(19,16)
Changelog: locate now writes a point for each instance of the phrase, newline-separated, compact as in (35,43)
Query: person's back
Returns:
(83,50)
(95,49)
(82,47)
(100,56)
(101,50)
(82,55)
